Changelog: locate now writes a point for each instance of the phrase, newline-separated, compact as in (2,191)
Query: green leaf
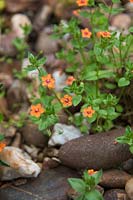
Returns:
(116,1)
(97,176)
(128,130)
(81,197)
(84,129)
(41,61)
(93,118)
(131,29)
(131,148)
(2,4)
(77,184)
(1,117)
(105,74)
(48,121)
(122,140)
(57,107)
(4,164)
(93,195)
(1,137)
(76,99)
(123,82)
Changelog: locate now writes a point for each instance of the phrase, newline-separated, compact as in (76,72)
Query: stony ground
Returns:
(26,143)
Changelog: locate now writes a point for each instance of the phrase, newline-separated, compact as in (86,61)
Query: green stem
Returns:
(128,48)
(122,92)
(110,12)
(121,59)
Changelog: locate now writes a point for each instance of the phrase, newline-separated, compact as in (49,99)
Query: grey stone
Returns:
(50,185)
(95,151)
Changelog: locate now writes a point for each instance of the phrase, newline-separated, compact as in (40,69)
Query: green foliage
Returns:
(127,138)
(86,186)
(99,65)
(1,137)
(20,43)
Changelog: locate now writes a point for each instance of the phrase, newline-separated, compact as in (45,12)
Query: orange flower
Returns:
(76,12)
(88,112)
(48,81)
(37,110)
(2,146)
(70,80)
(66,100)
(82,2)
(131,1)
(86,33)
(91,172)
(104,34)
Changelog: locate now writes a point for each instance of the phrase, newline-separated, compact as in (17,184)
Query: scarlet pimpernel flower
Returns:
(86,33)
(104,34)
(36,110)
(48,81)
(2,146)
(91,172)
(70,80)
(76,12)
(82,2)
(88,112)
(66,100)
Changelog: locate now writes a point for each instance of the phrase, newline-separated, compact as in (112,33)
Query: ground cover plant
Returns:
(99,71)
(96,61)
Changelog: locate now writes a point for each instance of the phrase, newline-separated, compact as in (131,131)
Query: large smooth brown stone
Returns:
(114,178)
(95,151)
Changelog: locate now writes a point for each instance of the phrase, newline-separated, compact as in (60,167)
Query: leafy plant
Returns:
(127,138)
(20,43)
(99,72)
(86,186)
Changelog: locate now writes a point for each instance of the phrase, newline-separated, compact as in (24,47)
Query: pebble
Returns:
(32,136)
(19,165)
(42,17)
(115,194)
(114,178)
(63,133)
(129,188)
(17,140)
(121,21)
(46,44)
